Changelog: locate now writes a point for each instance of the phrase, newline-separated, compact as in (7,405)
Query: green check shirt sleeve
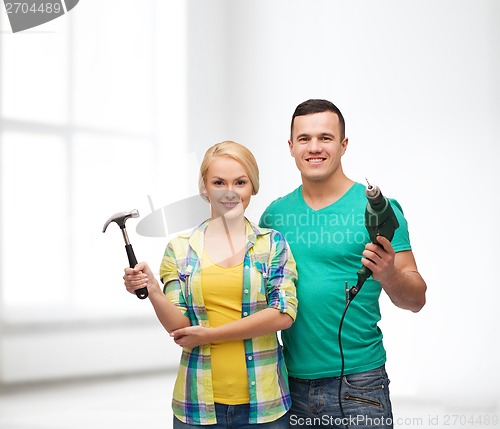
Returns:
(282,276)
(170,278)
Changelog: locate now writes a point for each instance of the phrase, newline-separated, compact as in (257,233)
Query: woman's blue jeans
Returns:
(234,417)
(365,400)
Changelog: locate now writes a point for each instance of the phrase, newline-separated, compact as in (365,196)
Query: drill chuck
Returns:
(380,220)
(374,195)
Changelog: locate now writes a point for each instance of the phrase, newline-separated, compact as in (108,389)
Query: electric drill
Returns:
(379,220)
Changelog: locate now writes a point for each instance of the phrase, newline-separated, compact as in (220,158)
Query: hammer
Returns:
(120,218)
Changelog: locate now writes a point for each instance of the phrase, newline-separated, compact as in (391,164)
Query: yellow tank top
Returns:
(222,288)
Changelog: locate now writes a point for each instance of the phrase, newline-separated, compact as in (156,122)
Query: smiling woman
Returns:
(226,185)
(229,287)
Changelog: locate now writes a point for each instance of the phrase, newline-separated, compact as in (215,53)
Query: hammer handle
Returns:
(143,292)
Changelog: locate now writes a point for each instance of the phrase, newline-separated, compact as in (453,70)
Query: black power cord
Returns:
(350,293)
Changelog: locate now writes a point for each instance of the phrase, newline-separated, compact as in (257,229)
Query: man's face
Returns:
(316,145)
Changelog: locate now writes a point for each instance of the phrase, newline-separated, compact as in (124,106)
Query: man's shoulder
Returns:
(279,206)
(290,198)
(395,203)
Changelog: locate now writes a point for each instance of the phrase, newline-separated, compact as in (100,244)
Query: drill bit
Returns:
(373,193)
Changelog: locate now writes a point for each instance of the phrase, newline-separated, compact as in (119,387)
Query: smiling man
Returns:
(323,222)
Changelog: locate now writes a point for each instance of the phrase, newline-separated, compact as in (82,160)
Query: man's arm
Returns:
(397,273)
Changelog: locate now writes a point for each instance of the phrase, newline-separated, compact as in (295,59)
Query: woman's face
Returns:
(228,187)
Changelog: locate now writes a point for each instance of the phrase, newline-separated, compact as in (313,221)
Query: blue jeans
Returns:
(365,400)
(234,417)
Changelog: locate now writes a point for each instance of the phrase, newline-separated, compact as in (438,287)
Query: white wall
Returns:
(91,106)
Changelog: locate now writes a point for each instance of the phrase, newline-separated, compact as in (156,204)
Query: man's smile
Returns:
(315,160)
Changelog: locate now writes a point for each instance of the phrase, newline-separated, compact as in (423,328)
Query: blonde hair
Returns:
(235,151)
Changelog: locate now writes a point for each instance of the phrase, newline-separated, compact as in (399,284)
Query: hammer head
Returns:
(120,218)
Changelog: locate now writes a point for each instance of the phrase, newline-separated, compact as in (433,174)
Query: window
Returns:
(85,106)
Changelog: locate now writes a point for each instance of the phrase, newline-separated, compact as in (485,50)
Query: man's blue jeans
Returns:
(235,417)
(365,400)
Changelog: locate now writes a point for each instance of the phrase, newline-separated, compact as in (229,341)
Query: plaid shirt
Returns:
(269,278)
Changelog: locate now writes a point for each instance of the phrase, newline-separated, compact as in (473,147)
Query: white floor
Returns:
(143,402)
(114,403)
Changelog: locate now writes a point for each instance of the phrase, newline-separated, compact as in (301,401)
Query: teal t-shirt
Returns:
(327,245)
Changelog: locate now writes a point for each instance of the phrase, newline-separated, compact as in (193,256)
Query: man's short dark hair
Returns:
(318,106)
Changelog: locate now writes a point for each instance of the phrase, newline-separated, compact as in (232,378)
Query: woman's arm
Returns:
(280,314)
(168,314)
(261,323)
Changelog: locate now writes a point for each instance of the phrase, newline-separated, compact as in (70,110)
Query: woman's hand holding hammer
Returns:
(139,277)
